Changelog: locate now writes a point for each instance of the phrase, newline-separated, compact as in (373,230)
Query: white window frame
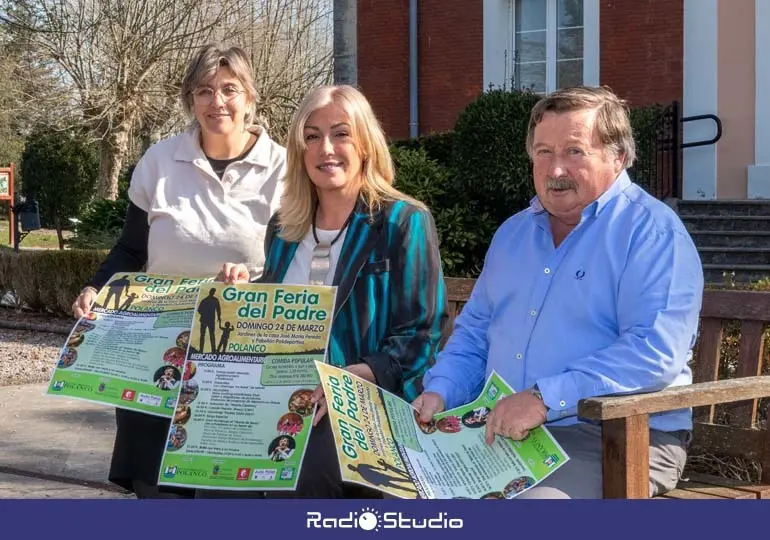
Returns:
(500,39)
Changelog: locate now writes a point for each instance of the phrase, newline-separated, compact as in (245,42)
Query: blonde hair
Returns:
(299,196)
(205,64)
(612,120)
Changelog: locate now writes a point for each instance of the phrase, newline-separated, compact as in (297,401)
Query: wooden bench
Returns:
(625,428)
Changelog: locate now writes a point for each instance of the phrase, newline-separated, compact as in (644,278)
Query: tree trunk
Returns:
(59,234)
(112,150)
(148,138)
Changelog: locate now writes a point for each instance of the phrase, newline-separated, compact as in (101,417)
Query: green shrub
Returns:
(102,221)
(490,154)
(646,123)
(490,160)
(5,268)
(438,146)
(460,225)
(60,169)
(101,224)
(48,280)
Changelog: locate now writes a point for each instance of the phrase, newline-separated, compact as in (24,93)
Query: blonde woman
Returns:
(197,198)
(343,223)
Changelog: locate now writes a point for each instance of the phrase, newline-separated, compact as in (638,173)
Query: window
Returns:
(547,44)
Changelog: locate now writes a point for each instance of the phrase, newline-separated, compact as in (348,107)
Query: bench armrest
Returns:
(680,397)
(625,426)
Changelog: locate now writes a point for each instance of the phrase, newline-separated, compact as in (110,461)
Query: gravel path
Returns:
(26,356)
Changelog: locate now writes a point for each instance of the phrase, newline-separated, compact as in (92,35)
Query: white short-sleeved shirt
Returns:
(197,221)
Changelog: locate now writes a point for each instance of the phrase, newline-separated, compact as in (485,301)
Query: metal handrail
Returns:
(713,140)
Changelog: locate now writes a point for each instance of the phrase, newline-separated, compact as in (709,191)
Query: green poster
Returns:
(129,350)
(382,444)
(244,414)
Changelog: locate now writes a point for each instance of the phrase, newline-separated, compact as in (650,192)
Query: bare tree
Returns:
(27,81)
(11,141)
(120,62)
(116,56)
(290,42)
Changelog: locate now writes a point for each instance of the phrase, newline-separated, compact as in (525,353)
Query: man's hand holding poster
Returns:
(382,444)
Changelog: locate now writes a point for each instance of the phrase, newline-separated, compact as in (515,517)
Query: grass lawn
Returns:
(44,238)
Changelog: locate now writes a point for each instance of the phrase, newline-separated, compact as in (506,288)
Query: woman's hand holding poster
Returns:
(129,350)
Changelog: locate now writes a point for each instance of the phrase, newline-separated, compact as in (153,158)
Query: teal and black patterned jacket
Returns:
(391,299)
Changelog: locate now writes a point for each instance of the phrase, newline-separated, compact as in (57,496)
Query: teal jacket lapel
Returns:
(362,235)
(363,232)
(278,259)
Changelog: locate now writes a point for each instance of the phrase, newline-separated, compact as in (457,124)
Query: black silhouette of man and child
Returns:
(210,313)
(381,476)
(209,310)
(115,291)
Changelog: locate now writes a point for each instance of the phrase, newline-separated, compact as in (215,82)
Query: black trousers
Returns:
(144,490)
(319,477)
(137,454)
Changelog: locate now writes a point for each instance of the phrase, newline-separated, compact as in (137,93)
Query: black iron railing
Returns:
(658,167)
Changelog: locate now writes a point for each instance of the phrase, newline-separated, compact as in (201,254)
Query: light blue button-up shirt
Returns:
(614,309)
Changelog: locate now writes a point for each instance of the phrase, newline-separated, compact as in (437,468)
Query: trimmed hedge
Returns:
(490,157)
(460,224)
(487,173)
(47,280)
(437,146)
(645,123)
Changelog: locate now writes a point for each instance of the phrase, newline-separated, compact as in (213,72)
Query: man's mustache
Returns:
(561,183)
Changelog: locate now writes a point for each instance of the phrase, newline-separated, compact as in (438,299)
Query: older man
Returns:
(594,289)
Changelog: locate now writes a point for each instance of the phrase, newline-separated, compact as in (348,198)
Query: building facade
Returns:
(707,54)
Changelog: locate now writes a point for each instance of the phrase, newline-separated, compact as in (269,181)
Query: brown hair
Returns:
(205,64)
(612,121)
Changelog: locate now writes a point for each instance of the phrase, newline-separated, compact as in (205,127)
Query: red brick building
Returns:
(464,46)
(711,55)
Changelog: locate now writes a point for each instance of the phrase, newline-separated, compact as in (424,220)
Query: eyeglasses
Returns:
(205,95)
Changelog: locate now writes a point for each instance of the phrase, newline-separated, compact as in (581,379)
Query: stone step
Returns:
(724,208)
(743,273)
(737,239)
(701,222)
(735,255)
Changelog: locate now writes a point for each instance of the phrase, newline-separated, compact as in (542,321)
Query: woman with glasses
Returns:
(342,223)
(196,199)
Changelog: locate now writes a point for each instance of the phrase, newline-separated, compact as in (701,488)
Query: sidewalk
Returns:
(23,487)
(52,447)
